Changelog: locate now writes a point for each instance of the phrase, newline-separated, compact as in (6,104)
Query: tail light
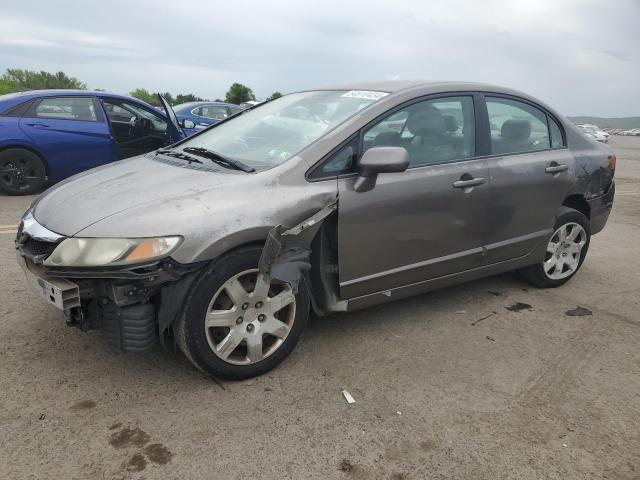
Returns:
(612,162)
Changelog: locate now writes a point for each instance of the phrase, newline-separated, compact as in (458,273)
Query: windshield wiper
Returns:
(220,159)
(173,153)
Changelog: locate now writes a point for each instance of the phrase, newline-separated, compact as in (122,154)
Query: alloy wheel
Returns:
(248,319)
(19,174)
(564,251)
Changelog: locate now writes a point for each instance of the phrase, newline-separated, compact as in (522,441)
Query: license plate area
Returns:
(58,292)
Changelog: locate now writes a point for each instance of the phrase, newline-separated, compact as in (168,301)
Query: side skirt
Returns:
(405,291)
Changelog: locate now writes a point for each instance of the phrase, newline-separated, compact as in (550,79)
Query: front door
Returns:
(531,171)
(136,128)
(71,132)
(426,222)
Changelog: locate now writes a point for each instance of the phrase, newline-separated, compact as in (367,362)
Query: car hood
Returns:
(140,183)
(212,210)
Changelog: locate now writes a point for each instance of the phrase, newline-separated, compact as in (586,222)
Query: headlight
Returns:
(104,252)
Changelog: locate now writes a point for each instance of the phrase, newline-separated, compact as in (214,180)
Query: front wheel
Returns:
(566,250)
(237,324)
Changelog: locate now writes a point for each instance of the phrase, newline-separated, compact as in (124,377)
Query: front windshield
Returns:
(276,131)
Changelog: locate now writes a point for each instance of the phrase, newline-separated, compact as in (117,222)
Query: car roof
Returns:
(395,86)
(182,106)
(10,100)
(66,93)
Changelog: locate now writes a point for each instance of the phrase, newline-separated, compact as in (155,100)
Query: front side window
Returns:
(516,127)
(67,108)
(433,131)
(122,111)
(277,130)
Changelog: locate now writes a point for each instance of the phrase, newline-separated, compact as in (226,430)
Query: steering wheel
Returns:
(140,129)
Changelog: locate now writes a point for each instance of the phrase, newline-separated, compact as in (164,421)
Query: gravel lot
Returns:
(439,393)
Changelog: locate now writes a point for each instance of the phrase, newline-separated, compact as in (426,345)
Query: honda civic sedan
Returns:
(321,201)
(53,134)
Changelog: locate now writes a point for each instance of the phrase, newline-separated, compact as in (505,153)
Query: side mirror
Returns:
(187,124)
(379,160)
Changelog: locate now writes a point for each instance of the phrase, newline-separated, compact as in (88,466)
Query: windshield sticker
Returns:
(367,94)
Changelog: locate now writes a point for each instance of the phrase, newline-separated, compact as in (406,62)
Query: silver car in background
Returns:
(327,200)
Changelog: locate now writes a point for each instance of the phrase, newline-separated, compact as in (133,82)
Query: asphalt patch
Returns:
(83,405)
(578,312)
(126,437)
(137,463)
(346,466)
(518,307)
(158,453)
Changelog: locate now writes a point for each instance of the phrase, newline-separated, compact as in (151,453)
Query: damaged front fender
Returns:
(286,254)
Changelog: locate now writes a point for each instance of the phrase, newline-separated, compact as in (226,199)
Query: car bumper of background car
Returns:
(600,208)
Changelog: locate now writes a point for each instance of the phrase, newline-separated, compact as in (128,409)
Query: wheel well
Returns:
(29,149)
(577,202)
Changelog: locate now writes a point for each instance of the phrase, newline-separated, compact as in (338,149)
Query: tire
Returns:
(22,172)
(559,251)
(212,296)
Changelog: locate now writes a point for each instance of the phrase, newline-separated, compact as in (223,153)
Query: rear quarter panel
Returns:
(593,176)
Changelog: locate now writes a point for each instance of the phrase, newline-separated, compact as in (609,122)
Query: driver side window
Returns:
(432,131)
(130,121)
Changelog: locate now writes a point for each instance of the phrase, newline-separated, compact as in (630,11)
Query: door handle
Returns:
(472,182)
(37,124)
(556,168)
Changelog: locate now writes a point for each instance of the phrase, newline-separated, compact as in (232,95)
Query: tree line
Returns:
(17,80)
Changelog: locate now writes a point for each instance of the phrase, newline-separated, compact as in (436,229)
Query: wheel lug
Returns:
(245,306)
(258,304)
(250,328)
(262,317)
(239,320)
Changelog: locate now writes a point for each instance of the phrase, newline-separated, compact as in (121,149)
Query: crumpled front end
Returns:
(126,301)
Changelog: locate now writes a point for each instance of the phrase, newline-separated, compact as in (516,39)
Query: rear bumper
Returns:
(600,208)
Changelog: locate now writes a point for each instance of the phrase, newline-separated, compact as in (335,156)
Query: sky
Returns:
(581,57)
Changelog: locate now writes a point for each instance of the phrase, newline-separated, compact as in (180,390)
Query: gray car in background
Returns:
(327,200)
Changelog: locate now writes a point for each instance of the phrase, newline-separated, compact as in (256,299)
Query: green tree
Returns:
(239,93)
(32,80)
(169,98)
(186,98)
(145,95)
(273,96)
(7,86)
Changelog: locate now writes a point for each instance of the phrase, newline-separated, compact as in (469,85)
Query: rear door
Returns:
(71,132)
(530,169)
(423,223)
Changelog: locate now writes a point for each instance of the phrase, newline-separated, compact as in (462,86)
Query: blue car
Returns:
(203,114)
(48,135)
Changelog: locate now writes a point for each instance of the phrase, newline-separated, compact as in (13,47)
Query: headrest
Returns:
(387,139)
(81,111)
(450,123)
(427,121)
(516,130)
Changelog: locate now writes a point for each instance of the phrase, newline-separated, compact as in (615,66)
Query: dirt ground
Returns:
(452,384)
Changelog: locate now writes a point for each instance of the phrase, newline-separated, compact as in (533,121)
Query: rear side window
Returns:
(215,112)
(67,108)
(516,127)
(433,131)
(557,140)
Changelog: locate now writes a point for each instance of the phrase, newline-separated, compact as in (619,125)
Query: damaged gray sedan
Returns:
(325,201)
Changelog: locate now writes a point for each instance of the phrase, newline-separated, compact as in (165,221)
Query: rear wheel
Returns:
(237,324)
(566,250)
(21,172)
